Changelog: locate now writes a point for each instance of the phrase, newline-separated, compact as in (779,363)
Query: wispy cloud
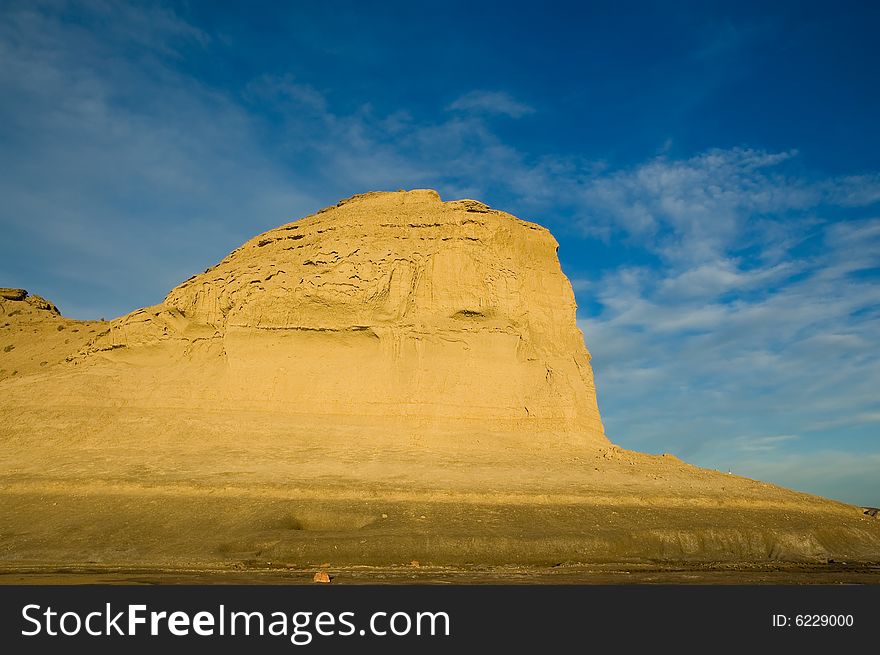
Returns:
(763,444)
(757,317)
(692,209)
(847,476)
(491,102)
(119,169)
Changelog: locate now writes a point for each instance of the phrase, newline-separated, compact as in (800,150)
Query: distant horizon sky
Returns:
(711,171)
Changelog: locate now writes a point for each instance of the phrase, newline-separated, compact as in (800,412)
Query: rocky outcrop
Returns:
(7,293)
(30,300)
(35,338)
(385,305)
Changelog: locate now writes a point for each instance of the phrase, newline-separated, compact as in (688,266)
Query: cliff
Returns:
(395,306)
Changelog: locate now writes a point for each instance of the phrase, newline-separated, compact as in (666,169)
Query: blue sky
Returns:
(711,171)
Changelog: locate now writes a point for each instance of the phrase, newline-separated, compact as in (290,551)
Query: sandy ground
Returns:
(197,511)
(718,574)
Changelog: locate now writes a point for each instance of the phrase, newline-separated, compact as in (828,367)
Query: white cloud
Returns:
(692,210)
(712,280)
(854,190)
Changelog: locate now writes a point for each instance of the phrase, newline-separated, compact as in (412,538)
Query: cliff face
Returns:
(397,306)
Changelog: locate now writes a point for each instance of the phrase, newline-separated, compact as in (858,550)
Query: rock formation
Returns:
(34,337)
(395,306)
(393,380)
(35,302)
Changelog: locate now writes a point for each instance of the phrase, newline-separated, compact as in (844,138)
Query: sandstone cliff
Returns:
(387,305)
